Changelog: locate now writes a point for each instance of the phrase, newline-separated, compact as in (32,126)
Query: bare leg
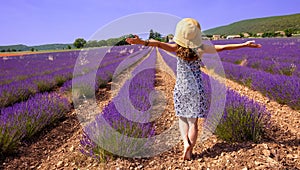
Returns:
(184,130)
(192,133)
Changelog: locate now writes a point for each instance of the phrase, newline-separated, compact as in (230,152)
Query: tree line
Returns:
(287,33)
(82,43)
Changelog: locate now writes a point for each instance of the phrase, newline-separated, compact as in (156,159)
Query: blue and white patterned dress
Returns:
(189,96)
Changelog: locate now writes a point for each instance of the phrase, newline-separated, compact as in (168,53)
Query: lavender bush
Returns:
(281,88)
(114,131)
(277,55)
(24,119)
(243,119)
(17,68)
(85,85)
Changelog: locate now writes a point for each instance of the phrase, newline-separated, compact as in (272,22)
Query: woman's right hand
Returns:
(252,44)
(135,40)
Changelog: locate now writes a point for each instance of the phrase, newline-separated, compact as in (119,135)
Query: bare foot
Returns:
(187,152)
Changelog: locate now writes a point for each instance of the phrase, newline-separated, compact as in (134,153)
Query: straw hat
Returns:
(188,33)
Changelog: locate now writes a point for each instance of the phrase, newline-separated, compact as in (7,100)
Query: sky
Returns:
(36,22)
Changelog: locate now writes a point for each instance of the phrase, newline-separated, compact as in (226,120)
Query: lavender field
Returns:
(40,90)
(273,69)
(33,88)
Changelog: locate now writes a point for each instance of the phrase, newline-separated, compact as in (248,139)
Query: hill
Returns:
(267,24)
(52,46)
(21,47)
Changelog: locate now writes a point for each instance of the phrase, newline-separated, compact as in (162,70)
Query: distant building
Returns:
(170,37)
(216,37)
(233,36)
(280,33)
(246,35)
(259,34)
(296,35)
(205,38)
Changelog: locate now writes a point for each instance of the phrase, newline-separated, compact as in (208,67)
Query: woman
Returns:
(189,99)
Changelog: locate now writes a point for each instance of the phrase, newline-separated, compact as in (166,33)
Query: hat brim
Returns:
(193,43)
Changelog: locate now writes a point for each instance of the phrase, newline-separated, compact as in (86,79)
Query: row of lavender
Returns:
(18,68)
(242,119)
(22,120)
(281,88)
(277,55)
(44,75)
(123,127)
(84,86)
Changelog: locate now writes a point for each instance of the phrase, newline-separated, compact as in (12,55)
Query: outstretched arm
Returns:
(218,48)
(153,43)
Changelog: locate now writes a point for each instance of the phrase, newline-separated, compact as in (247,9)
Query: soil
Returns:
(57,146)
(15,54)
(11,54)
(21,53)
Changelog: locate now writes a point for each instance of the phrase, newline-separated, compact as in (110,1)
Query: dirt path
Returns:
(16,54)
(12,54)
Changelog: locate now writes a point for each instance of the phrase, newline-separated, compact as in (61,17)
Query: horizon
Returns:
(34,23)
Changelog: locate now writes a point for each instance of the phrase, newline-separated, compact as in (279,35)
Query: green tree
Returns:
(69,47)
(151,34)
(167,39)
(250,34)
(269,34)
(79,43)
(157,36)
(289,32)
(122,42)
(112,41)
(102,43)
(92,43)
(130,36)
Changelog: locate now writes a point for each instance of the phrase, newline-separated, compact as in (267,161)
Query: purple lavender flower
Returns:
(114,130)
(22,120)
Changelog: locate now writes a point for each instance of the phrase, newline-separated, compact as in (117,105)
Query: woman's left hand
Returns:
(251,44)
